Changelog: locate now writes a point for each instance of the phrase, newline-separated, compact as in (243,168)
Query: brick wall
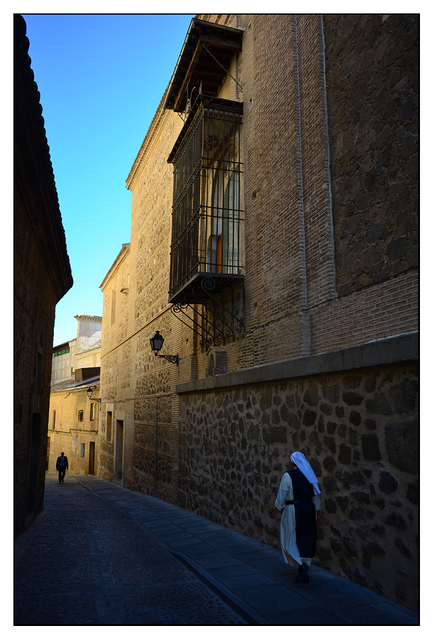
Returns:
(295,299)
(372,97)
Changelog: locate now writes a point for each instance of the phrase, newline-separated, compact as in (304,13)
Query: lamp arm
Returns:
(89,396)
(172,359)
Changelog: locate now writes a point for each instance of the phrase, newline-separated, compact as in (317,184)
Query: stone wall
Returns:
(34,312)
(359,432)
(136,386)
(42,275)
(154,441)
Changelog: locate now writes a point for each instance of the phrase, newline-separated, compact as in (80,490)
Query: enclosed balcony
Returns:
(207,252)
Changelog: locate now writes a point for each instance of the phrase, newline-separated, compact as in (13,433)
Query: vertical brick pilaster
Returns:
(304,317)
(331,291)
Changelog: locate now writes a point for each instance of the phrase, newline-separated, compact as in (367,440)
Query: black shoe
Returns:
(302,573)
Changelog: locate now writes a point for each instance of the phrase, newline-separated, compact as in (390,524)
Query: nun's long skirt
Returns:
(298,523)
(305,528)
(298,532)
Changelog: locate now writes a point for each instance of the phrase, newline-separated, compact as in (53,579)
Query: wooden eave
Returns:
(34,183)
(203,62)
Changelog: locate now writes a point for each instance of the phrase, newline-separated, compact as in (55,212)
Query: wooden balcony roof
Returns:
(203,62)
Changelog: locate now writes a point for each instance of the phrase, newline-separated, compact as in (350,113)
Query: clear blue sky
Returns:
(101,79)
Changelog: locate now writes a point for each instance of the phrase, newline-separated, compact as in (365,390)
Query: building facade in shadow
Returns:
(42,276)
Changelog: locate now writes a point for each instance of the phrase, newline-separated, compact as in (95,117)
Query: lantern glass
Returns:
(156,341)
(89,393)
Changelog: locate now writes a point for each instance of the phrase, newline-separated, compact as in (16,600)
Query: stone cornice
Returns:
(146,143)
(116,264)
(89,318)
(402,348)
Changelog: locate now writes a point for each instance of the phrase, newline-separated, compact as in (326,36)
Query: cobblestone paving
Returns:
(83,562)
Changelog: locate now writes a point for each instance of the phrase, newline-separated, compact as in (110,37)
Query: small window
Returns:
(92,411)
(75,442)
(82,450)
(109,426)
(113,308)
(80,415)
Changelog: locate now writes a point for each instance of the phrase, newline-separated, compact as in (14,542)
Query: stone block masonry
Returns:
(42,276)
(137,386)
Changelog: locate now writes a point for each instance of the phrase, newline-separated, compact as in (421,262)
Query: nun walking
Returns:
(298,499)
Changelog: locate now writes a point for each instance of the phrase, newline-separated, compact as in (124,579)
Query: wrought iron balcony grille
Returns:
(207,217)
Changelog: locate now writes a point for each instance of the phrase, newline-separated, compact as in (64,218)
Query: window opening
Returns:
(224,239)
(109,426)
(207,220)
(113,308)
(60,353)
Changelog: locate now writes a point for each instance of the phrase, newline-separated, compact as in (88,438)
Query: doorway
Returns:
(33,468)
(91,458)
(119,451)
(48,453)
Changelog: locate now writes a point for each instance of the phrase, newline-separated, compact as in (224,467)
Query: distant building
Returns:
(73,425)
(63,357)
(74,417)
(274,246)
(42,276)
(67,357)
(88,332)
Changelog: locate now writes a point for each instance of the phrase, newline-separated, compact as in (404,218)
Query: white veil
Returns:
(299,459)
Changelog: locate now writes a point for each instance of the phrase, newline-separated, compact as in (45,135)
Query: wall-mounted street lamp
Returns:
(156,344)
(89,395)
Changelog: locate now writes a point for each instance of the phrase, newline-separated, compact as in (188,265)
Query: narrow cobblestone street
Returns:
(100,554)
(92,565)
